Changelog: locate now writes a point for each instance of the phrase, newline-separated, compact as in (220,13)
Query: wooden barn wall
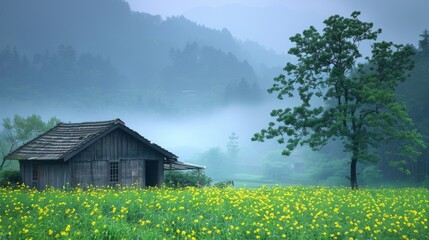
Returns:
(81,173)
(99,171)
(90,166)
(25,168)
(51,173)
(89,173)
(132,172)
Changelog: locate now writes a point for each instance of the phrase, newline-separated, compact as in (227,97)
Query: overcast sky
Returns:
(272,22)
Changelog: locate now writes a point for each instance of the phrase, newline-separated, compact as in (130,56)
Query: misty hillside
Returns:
(99,52)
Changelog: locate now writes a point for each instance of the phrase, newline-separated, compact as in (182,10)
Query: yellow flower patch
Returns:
(211,213)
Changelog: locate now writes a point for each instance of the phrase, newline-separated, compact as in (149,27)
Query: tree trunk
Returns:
(353,175)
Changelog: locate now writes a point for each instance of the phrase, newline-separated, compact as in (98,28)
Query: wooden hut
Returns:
(93,153)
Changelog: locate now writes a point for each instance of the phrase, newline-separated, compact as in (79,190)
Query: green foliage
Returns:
(193,178)
(363,111)
(414,93)
(224,184)
(9,177)
(19,130)
(425,182)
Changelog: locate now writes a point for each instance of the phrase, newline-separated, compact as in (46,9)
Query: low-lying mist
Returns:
(203,137)
(199,138)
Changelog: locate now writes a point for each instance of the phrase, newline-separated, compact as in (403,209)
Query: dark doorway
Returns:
(151,173)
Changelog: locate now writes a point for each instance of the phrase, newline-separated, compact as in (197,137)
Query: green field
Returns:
(210,213)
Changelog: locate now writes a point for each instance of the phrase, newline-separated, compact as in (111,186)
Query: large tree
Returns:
(19,130)
(343,95)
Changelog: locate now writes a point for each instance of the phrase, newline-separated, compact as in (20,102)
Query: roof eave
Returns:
(183,166)
(8,156)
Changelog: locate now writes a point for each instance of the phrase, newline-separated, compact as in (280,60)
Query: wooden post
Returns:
(199,177)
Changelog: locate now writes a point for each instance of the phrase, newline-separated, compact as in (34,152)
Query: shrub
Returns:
(9,177)
(177,179)
(224,184)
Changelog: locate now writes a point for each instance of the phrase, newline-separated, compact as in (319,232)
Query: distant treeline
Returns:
(414,92)
(100,51)
(206,75)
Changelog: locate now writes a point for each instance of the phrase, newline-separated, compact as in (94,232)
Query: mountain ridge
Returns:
(138,45)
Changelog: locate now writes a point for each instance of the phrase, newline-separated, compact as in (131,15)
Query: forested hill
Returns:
(90,43)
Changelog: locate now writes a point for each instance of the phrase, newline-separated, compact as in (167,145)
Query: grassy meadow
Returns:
(275,212)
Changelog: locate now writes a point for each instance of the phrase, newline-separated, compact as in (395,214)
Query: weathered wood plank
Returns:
(116,146)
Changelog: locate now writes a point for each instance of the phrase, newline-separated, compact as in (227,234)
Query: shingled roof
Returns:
(67,139)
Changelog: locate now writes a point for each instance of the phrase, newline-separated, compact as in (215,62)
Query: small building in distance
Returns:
(93,153)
